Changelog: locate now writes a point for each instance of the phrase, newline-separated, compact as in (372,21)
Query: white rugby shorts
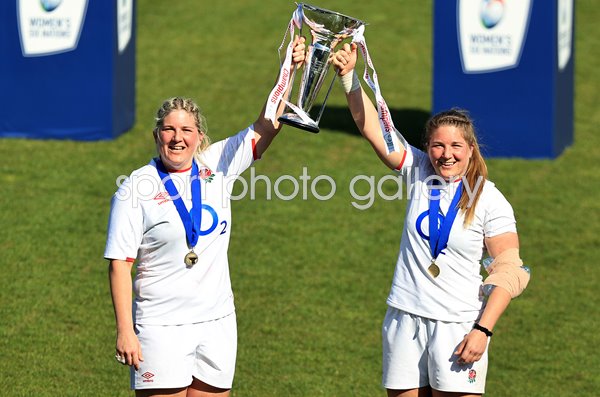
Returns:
(173,354)
(418,352)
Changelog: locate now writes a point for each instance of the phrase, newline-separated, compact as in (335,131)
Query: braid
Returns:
(187,104)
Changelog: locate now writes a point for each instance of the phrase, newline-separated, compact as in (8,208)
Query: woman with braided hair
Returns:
(172,217)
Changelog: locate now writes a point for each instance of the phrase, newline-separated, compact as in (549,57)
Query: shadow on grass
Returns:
(410,122)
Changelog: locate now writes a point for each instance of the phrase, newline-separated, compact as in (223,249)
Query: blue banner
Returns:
(67,69)
(509,63)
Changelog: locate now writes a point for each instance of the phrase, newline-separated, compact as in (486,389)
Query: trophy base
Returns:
(295,121)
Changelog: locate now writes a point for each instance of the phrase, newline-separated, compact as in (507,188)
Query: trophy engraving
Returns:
(328,29)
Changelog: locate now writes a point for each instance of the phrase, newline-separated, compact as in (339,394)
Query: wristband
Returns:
(483,329)
(350,82)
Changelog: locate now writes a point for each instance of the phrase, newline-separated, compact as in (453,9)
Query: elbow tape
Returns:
(507,272)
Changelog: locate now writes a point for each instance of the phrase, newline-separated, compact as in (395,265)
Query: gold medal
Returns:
(433,269)
(190,259)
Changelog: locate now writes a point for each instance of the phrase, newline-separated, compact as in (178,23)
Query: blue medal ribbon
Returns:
(439,232)
(191,220)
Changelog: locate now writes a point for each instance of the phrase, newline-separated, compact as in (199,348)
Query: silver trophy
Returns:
(328,29)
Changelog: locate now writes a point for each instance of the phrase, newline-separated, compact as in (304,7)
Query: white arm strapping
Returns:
(350,82)
(507,272)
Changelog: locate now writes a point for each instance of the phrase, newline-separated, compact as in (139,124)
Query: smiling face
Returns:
(178,139)
(449,152)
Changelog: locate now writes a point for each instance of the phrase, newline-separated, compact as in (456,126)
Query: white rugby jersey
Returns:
(144,225)
(454,295)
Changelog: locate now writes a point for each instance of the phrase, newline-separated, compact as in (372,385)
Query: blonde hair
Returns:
(476,169)
(187,104)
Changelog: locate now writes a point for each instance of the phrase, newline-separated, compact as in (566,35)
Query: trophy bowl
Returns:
(327,29)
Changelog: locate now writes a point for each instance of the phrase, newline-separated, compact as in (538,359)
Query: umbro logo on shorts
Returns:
(148,377)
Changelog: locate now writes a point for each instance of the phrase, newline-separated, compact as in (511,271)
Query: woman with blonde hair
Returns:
(172,217)
(439,320)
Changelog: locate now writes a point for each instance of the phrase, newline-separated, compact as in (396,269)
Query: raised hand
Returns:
(344,59)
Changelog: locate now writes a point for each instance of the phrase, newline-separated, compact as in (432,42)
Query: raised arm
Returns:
(265,130)
(363,111)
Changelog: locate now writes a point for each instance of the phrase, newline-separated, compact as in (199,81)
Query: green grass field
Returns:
(310,277)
